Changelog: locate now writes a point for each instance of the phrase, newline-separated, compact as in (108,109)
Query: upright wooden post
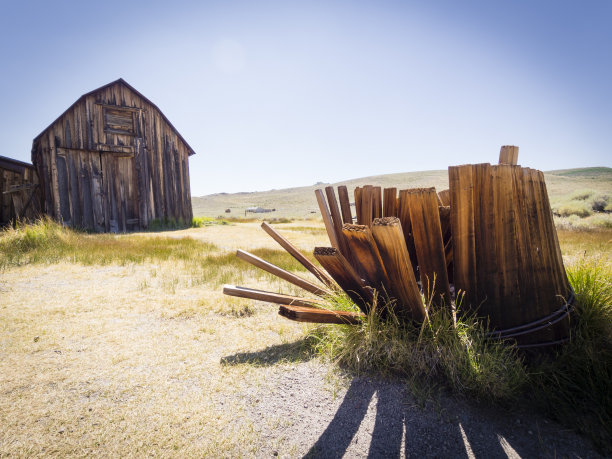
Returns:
(508,154)
(345,204)
(391,244)
(363,247)
(462,226)
(390,202)
(427,233)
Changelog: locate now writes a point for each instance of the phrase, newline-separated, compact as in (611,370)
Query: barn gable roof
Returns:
(135,91)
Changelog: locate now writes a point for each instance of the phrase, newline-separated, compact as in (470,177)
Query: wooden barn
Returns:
(19,192)
(113,162)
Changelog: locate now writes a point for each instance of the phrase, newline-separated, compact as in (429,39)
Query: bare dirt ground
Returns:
(135,361)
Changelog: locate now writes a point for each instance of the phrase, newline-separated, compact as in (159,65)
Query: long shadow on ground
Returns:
(297,351)
(402,428)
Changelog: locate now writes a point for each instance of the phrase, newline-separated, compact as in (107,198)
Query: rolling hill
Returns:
(300,202)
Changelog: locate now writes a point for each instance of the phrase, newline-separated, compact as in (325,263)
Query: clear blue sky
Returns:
(273,94)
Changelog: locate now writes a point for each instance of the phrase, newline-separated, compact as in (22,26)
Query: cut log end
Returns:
(386,221)
(325,251)
(356,228)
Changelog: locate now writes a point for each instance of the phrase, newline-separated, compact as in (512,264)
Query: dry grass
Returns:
(145,356)
(128,357)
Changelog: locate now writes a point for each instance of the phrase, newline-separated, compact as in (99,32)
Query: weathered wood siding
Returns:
(112,162)
(19,194)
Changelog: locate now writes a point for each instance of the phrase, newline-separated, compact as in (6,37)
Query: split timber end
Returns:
(386,221)
(356,228)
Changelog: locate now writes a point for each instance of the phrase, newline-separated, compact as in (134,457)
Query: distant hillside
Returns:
(301,203)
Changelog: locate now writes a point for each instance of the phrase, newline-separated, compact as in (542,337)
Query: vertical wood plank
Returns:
(337,222)
(508,154)
(345,204)
(484,227)
(462,227)
(366,205)
(390,202)
(427,233)
(387,233)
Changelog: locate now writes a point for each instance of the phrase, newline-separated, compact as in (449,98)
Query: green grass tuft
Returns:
(46,241)
(575,387)
(436,352)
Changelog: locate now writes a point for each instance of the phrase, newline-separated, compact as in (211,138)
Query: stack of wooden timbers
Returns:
(487,246)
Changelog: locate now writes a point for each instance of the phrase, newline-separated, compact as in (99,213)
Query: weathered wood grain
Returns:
(345,275)
(390,202)
(444,197)
(337,222)
(299,256)
(425,220)
(387,233)
(270,297)
(345,204)
(368,262)
(114,121)
(281,273)
(508,154)
(319,316)
(327,219)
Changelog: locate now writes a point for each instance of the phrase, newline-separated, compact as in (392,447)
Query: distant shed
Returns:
(19,192)
(113,162)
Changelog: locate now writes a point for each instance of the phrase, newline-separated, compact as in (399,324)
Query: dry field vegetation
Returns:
(123,345)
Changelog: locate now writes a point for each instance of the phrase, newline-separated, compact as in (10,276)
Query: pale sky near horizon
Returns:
(276,94)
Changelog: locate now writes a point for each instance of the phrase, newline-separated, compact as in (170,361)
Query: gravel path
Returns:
(374,418)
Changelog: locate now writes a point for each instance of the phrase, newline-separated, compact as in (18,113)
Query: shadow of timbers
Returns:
(298,351)
(404,427)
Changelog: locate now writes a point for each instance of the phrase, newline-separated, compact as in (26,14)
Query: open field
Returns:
(125,346)
(301,203)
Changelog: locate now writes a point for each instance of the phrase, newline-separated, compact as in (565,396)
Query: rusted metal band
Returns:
(539,324)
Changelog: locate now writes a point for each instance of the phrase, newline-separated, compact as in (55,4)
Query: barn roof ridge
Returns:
(131,88)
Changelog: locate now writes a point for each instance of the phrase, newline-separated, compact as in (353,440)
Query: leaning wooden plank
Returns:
(327,219)
(390,202)
(391,244)
(320,316)
(364,249)
(367,197)
(345,275)
(462,228)
(444,197)
(270,297)
(376,202)
(403,213)
(337,221)
(299,256)
(425,219)
(345,204)
(279,272)
(357,193)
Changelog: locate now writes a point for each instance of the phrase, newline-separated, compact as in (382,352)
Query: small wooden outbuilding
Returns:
(113,162)
(19,193)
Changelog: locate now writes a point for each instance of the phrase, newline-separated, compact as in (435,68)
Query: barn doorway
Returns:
(120,193)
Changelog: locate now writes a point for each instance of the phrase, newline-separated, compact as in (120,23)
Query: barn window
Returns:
(119,121)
